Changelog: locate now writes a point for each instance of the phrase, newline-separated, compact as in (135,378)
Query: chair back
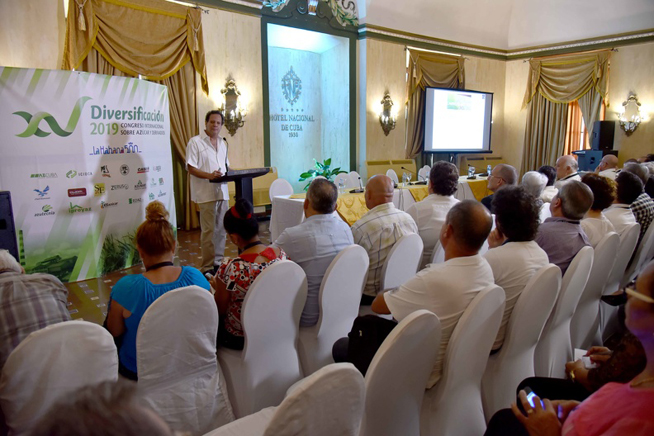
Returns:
(177,364)
(554,348)
(439,253)
(584,327)
(341,179)
(353,180)
(544,212)
(50,364)
(484,247)
(393,175)
(400,369)
(280,187)
(453,406)
(339,298)
(423,173)
(640,257)
(402,261)
(514,362)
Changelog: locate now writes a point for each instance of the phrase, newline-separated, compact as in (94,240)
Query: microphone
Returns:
(408,170)
(356,191)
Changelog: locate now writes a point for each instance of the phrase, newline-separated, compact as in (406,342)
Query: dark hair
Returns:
(444,178)
(649,158)
(629,187)
(469,228)
(322,195)
(603,190)
(155,235)
(516,213)
(576,199)
(105,409)
(240,220)
(214,112)
(550,172)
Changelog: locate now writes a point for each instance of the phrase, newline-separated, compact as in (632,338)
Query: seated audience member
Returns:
(514,256)
(534,183)
(643,206)
(316,242)
(447,289)
(105,409)
(615,409)
(429,214)
(379,229)
(28,302)
(234,276)
(595,224)
(561,235)
(550,191)
(608,167)
(649,186)
(133,294)
(619,213)
(567,170)
(502,175)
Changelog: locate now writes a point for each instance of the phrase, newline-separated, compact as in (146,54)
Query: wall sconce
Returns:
(231,107)
(629,115)
(387,115)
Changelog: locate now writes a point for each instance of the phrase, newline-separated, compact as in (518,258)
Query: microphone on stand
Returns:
(412,172)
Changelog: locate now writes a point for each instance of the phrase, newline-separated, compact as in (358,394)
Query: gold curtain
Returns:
(573,129)
(427,69)
(554,82)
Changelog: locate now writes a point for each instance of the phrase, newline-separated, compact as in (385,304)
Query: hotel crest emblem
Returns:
(291,86)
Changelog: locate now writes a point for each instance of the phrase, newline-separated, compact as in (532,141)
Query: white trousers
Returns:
(213,234)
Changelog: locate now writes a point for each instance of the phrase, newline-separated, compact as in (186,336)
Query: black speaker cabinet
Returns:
(7,227)
(603,132)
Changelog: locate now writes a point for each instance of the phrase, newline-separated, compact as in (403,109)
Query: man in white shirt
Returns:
(567,169)
(550,191)
(206,159)
(316,242)
(514,256)
(447,288)
(608,167)
(379,229)
(619,213)
(429,214)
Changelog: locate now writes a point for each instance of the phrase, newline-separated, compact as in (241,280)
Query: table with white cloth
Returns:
(288,211)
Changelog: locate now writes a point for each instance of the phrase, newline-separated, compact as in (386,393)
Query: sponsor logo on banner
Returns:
(74,208)
(140,185)
(161,194)
(151,196)
(153,182)
(43,176)
(135,200)
(98,189)
(161,181)
(128,148)
(41,195)
(105,171)
(143,170)
(291,86)
(124,170)
(157,168)
(77,192)
(45,211)
(34,121)
(104,204)
(124,186)
(70,174)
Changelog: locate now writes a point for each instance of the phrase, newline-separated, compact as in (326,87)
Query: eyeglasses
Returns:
(638,295)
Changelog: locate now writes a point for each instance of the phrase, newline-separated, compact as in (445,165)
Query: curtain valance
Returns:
(147,37)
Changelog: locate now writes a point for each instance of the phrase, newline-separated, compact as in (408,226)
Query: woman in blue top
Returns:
(133,294)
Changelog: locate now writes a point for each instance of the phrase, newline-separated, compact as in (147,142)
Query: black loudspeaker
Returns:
(603,132)
(7,227)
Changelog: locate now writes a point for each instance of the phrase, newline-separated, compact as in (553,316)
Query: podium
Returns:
(243,180)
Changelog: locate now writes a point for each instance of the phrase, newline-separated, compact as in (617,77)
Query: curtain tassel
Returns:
(81,23)
(196,43)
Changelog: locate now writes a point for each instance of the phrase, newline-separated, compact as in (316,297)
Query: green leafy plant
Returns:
(320,169)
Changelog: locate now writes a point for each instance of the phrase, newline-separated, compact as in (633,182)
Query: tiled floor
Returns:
(88,299)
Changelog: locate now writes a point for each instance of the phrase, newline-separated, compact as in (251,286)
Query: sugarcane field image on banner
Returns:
(82,156)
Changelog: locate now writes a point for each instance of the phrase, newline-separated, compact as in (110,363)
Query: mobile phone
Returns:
(530,396)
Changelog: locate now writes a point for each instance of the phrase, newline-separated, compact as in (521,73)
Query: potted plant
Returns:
(320,169)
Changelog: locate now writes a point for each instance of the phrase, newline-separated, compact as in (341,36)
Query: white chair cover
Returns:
(51,363)
(439,253)
(328,402)
(258,376)
(514,362)
(280,187)
(544,212)
(554,348)
(423,173)
(484,247)
(640,258)
(393,175)
(398,374)
(177,364)
(402,261)
(584,327)
(339,297)
(608,314)
(453,407)
(353,180)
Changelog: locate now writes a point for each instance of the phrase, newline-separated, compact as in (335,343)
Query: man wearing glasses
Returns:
(502,175)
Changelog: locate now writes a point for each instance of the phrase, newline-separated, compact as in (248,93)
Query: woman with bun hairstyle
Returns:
(234,276)
(133,294)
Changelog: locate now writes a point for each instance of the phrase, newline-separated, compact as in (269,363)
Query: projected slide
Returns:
(457,120)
